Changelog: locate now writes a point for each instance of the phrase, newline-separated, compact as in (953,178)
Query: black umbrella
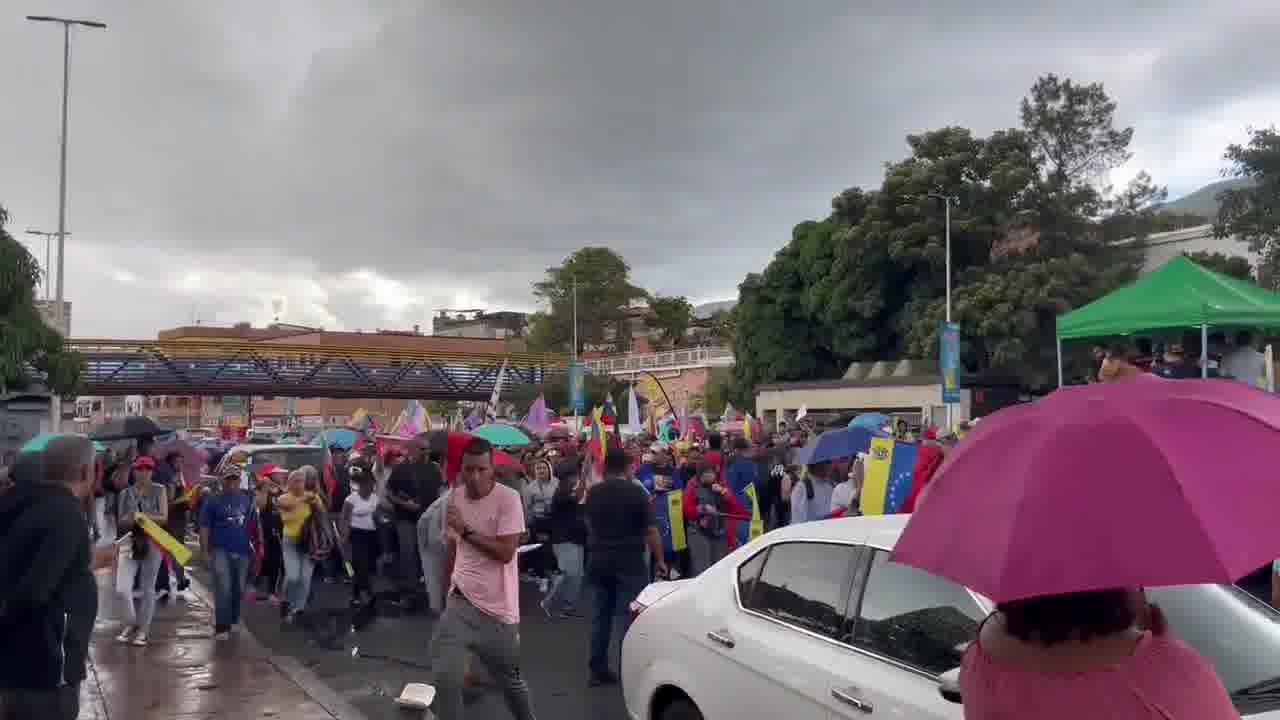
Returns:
(130,427)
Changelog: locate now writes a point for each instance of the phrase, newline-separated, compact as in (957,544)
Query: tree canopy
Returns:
(26,340)
(672,315)
(1030,238)
(1252,213)
(604,291)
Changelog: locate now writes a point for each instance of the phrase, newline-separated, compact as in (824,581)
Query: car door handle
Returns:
(847,697)
(720,638)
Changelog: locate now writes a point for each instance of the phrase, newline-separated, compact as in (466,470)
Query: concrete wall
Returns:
(926,399)
(1163,247)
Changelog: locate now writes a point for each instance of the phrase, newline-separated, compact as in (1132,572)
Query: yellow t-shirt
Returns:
(296,516)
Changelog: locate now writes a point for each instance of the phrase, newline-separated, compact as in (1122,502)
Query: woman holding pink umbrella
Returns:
(1062,510)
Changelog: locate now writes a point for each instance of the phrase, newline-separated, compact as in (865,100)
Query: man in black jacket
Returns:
(48,597)
(412,487)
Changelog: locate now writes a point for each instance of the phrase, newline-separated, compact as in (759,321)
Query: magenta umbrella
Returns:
(1142,482)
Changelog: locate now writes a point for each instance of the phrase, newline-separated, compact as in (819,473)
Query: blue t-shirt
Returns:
(227,517)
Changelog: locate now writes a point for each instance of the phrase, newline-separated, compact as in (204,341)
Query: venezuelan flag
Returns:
(166,541)
(668,511)
(886,484)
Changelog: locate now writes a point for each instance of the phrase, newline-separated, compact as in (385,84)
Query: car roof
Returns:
(880,531)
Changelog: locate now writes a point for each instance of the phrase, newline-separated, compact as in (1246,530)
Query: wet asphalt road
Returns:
(369,668)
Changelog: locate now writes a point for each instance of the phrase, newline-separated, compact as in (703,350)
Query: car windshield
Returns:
(1232,629)
(291,458)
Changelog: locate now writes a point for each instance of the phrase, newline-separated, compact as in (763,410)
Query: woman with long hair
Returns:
(144,498)
(296,505)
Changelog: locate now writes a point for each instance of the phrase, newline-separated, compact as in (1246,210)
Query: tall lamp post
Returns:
(62,155)
(947,202)
(48,261)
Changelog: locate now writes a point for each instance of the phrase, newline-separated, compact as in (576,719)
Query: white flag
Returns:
(633,411)
(491,410)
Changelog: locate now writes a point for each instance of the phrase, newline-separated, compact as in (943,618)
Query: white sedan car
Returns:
(814,622)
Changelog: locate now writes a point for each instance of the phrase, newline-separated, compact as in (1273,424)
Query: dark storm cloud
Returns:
(462,147)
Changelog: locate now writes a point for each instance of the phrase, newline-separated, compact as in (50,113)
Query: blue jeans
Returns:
(612,596)
(298,569)
(565,587)
(229,572)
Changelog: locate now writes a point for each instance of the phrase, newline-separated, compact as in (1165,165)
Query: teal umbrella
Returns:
(502,435)
(38,443)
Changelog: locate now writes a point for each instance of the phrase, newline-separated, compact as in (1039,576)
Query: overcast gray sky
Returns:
(366,161)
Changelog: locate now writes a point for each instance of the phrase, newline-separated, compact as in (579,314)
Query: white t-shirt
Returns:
(1246,365)
(842,495)
(362,510)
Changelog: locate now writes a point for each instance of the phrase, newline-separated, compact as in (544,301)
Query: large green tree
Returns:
(1252,214)
(671,316)
(1028,242)
(26,341)
(604,291)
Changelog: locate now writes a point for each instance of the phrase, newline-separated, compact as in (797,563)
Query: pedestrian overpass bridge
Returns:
(227,367)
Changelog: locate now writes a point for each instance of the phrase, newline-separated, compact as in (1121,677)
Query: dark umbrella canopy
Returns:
(835,444)
(128,428)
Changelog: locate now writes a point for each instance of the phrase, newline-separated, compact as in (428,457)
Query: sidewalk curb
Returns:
(296,672)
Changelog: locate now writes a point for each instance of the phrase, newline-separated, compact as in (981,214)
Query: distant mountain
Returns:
(1204,202)
(706,310)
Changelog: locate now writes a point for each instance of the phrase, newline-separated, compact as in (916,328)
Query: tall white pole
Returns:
(577,371)
(62,176)
(48,263)
(947,215)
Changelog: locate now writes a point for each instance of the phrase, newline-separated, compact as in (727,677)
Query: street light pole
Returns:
(66,23)
(947,201)
(48,261)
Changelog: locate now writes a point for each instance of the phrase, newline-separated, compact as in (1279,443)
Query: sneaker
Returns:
(139,640)
(125,636)
(222,636)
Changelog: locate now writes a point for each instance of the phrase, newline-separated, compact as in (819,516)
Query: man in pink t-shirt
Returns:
(483,525)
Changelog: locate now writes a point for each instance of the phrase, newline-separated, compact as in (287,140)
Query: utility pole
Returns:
(948,201)
(577,371)
(48,260)
(62,149)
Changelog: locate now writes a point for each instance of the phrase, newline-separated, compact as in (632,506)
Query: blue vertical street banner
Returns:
(578,388)
(949,361)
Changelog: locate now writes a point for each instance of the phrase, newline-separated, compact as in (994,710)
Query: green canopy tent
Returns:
(1179,294)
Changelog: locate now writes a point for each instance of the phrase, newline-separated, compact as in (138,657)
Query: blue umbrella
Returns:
(872,421)
(342,438)
(835,444)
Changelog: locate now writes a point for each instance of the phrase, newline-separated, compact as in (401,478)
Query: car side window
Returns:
(748,573)
(914,617)
(803,584)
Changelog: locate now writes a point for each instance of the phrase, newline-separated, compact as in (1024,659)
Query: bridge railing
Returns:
(666,360)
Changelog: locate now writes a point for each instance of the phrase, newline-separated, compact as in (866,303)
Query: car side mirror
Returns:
(949,686)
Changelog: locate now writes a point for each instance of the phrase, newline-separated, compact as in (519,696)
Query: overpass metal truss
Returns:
(215,367)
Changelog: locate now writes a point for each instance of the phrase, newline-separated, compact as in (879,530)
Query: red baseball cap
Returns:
(144,462)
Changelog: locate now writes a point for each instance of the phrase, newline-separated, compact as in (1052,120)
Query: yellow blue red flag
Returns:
(886,483)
